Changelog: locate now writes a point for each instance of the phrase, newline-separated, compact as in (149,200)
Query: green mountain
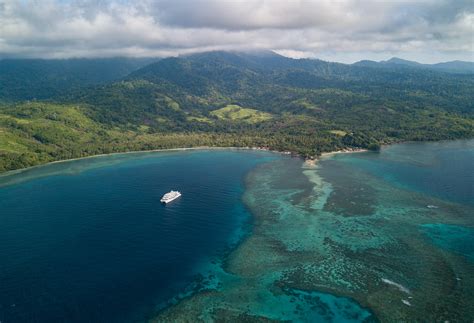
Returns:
(233,99)
(326,91)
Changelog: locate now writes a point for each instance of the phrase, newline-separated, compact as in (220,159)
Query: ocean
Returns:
(362,237)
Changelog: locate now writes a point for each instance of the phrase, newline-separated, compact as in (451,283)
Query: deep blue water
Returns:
(89,241)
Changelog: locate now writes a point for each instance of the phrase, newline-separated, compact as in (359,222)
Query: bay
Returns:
(89,241)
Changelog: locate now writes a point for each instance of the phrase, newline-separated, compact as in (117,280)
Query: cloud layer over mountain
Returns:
(344,30)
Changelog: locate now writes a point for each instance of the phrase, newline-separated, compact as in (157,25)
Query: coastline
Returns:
(310,162)
(20,170)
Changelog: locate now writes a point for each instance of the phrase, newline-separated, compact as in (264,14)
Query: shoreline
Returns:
(20,170)
(309,161)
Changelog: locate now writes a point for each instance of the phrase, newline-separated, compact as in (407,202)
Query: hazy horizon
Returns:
(315,57)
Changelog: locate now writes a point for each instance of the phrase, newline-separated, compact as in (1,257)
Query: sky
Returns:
(427,31)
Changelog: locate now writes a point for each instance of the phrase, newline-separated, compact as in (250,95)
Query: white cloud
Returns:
(344,30)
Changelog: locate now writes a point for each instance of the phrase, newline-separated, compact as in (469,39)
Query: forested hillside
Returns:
(27,79)
(226,99)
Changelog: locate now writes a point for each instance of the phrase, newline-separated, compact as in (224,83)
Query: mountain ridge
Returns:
(456,66)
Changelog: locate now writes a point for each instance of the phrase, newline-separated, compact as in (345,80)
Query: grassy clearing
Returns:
(339,133)
(237,113)
(199,119)
(307,105)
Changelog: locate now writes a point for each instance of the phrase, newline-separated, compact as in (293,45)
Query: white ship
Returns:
(170,196)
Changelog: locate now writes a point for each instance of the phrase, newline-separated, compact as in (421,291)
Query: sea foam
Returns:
(399,286)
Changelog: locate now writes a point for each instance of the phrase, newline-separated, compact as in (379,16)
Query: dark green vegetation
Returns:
(222,99)
(27,79)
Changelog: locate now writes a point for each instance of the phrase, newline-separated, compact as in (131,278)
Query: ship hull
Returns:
(169,200)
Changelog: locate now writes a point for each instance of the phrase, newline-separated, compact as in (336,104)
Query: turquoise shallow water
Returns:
(442,170)
(413,204)
(359,237)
